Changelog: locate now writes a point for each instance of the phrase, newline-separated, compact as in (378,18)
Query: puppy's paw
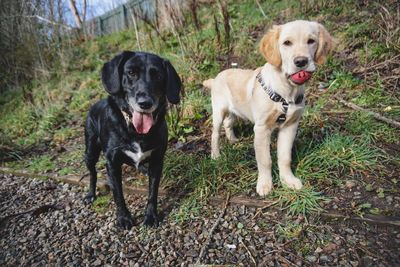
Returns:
(89,198)
(292,182)
(125,220)
(264,187)
(215,155)
(151,219)
(233,140)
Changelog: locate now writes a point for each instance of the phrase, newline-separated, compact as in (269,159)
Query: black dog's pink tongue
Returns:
(142,122)
(301,77)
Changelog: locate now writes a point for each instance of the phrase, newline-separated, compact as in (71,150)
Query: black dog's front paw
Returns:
(151,219)
(125,220)
(89,198)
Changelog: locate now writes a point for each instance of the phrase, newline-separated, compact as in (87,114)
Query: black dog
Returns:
(129,127)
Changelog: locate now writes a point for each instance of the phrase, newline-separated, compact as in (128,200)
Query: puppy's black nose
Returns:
(300,61)
(145,104)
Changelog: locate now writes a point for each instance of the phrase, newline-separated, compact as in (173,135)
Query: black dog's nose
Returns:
(145,104)
(300,61)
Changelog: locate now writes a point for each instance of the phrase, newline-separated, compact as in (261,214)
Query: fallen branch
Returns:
(210,233)
(393,221)
(35,212)
(239,201)
(265,207)
(374,114)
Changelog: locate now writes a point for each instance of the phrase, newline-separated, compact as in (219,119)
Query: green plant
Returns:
(336,156)
(100,205)
(304,201)
(42,164)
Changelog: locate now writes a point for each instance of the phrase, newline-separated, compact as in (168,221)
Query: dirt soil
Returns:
(44,223)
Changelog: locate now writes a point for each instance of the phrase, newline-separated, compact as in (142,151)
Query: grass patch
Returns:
(368,128)
(296,202)
(42,164)
(101,203)
(336,157)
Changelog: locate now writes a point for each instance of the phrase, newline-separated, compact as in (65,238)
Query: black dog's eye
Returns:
(133,73)
(310,41)
(287,43)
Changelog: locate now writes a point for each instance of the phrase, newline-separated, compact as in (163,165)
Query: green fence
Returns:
(121,17)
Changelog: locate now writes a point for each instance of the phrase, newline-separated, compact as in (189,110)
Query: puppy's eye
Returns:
(310,41)
(287,43)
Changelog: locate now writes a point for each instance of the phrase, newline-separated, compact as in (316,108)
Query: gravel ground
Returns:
(72,234)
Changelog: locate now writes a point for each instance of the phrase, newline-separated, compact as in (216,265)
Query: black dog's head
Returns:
(141,80)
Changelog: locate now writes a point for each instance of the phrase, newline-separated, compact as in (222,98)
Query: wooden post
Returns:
(99,27)
(123,17)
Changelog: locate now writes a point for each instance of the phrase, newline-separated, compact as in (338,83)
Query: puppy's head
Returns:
(296,47)
(142,81)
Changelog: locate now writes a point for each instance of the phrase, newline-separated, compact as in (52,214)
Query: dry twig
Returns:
(374,114)
(248,251)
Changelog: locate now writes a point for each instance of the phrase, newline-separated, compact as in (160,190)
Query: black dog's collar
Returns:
(278,98)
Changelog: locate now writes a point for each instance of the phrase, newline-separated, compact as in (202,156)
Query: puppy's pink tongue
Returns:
(142,122)
(301,77)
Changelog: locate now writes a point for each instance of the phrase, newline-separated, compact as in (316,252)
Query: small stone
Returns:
(323,258)
(318,250)
(350,184)
(97,262)
(311,258)
(42,235)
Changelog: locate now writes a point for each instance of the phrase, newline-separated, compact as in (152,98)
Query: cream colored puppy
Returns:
(272,96)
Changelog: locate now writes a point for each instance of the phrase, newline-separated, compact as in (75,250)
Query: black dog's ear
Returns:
(112,71)
(174,83)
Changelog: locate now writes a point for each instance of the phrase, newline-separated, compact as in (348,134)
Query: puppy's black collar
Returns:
(278,98)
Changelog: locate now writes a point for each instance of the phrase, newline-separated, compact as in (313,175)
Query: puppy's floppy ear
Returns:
(173,82)
(325,45)
(269,46)
(112,71)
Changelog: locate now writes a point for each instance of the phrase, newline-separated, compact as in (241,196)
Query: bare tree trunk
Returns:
(75,13)
(193,9)
(227,28)
(84,11)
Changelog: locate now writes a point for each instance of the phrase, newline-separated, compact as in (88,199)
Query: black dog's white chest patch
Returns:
(139,155)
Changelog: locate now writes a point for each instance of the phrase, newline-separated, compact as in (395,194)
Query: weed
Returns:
(63,134)
(189,209)
(343,80)
(289,231)
(66,171)
(368,128)
(302,202)
(101,204)
(42,164)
